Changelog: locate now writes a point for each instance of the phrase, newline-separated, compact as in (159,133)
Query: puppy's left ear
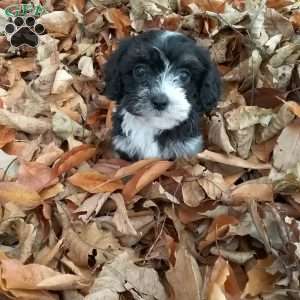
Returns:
(210,90)
(112,73)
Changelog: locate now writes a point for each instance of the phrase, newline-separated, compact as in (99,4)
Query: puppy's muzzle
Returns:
(159,101)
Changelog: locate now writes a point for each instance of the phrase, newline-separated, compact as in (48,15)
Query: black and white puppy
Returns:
(163,83)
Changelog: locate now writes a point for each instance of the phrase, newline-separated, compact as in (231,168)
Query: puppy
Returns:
(163,83)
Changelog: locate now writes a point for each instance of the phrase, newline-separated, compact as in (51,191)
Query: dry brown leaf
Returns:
(33,277)
(287,151)
(243,139)
(49,154)
(95,182)
(217,134)
(22,123)
(120,218)
(223,283)
(36,176)
(58,22)
(74,158)
(278,122)
(259,280)
(264,150)
(192,193)
(295,107)
(185,270)
(19,194)
(7,135)
(295,19)
(123,275)
(120,21)
(252,190)
(246,116)
(133,168)
(213,184)
(232,160)
(144,177)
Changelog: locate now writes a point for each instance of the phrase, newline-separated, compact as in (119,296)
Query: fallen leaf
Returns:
(58,22)
(260,281)
(185,270)
(65,127)
(86,66)
(246,116)
(287,151)
(192,193)
(231,160)
(142,179)
(252,190)
(278,122)
(22,123)
(123,275)
(36,176)
(119,20)
(33,277)
(222,283)
(7,135)
(95,182)
(120,218)
(73,158)
(19,194)
(213,184)
(217,134)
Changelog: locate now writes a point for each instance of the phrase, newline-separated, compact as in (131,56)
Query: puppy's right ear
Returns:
(112,73)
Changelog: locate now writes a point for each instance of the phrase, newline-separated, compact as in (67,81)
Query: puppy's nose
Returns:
(160,101)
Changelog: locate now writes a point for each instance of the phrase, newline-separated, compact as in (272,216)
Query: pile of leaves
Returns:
(78,223)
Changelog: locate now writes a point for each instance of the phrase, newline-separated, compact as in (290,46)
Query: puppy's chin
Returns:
(161,120)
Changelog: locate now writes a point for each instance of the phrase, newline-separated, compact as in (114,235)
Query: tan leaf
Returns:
(120,218)
(278,122)
(27,124)
(192,193)
(133,168)
(123,275)
(95,182)
(62,82)
(264,150)
(287,151)
(295,107)
(119,20)
(144,177)
(213,184)
(246,116)
(252,190)
(74,158)
(65,127)
(243,139)
(58,22)
(36,176)
(7,135)
(86,66)
(232,160)
(19,194)
(223,283)
(295,19)
(259,280)
(217,134)
(185,270)
(51,191)
(49,154)
(29,277)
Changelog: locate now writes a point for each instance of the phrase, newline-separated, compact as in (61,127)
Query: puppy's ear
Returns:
(112,73)
(210,89)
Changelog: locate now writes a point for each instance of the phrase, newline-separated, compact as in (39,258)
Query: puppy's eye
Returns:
(140,71)
(184,76)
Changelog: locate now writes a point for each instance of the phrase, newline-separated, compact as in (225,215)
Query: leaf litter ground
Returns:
(78,223)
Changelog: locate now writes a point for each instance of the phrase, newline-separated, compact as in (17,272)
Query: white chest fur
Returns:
(140,141)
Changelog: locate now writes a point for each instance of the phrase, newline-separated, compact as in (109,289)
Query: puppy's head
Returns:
(162,76)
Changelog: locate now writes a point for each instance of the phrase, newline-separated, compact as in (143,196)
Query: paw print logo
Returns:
(24,31)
